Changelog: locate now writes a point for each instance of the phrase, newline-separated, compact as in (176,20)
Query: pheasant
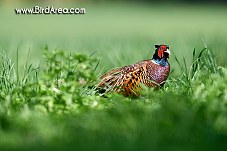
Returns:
(128,79)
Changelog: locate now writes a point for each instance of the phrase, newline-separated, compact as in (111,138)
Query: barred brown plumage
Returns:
(128,79)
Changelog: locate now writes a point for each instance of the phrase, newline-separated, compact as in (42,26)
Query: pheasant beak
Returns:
(167,51)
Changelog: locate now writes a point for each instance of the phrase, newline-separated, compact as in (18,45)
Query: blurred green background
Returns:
(120,32)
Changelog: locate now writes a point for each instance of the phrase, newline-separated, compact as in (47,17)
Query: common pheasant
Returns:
(128,79)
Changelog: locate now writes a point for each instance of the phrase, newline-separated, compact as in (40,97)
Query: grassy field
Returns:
(45,106)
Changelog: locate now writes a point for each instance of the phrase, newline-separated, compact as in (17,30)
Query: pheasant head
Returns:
(161,55)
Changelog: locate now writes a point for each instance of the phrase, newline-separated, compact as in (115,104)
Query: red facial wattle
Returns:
(160,53)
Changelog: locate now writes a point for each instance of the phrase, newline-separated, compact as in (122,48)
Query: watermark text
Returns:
(49,10)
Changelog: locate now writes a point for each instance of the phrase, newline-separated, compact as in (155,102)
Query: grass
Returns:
(47,99)
(56,108)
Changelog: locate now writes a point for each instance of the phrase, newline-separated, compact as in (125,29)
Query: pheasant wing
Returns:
(126,79)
